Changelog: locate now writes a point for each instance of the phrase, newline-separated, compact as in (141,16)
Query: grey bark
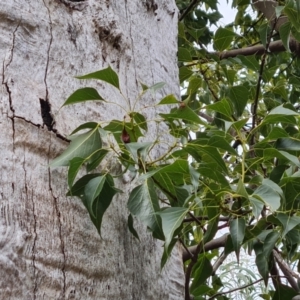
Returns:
(49,248)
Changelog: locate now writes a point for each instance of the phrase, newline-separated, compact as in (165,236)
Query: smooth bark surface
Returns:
(49,248)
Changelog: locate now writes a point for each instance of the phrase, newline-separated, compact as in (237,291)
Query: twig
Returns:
(221,219)
(214,244)
(188,9)
(189,269)
(219,262)
(262,65)
(234,290)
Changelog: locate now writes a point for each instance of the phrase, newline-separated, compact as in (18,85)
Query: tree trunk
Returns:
(49,247)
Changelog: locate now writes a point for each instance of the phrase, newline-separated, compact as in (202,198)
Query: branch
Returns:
(219,262)
(188,9)
(290,274)
(262,65)
(275,46)
(214,244)
(199,249)
(233,290)
(221,219)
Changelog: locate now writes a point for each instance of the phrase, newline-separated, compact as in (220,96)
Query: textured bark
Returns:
(49,248)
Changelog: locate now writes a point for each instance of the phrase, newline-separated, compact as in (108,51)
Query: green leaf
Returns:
(169,99)
(223,38)
(203,270)
(194,84)
(78,188)
(88,125)
(257,206)
(139,150)
(250,62)
(184,113)
(184,54)
(92,191)
(269,243)
(262,266)
(74,167)
(184,74)
(96,159)
(167,253)
(82,145)
(140,120)
(239,97)
(267,194)
(82,95)
(288,144)
(270,153)
(285,33)
(172,218)
(101,202)
(237,232)
(291,12)
(222,107)
(284,292)
(288,222)
(153,88)
(143,203)
(131,228)
(107,75)
(263,32)
(221,143)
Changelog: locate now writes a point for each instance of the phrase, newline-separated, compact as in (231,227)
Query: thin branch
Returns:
(219,262)
(274,273)
(221,219)
(186,248)
(234,290)
(188,9)
(259,80)
(211,245)
(274,47)
(289,274)
(199,249)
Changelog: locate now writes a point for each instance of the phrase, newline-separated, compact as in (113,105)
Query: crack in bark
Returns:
(4,81)
(35,233)
(47,113)
(62,243)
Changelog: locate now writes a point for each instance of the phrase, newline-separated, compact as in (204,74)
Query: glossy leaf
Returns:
(143,203)
(82,145)
(74,166)
(237,233)
(107,75)
(171,220)
(82,95)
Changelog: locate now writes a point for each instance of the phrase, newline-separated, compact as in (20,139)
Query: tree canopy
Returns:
(229,181)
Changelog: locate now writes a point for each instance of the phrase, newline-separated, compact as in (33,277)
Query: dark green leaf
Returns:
(82,145)
(131,228)
(92,191)
(108,75)
(74,167)
(82,95)
(172,218)
(203,270)
(184,74)
(237,232)
(223,38)
(184,54)
(143,203)
(169,99)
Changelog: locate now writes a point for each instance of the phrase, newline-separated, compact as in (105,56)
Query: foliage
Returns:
(234,158)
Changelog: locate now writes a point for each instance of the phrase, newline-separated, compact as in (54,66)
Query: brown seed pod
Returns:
(125,136)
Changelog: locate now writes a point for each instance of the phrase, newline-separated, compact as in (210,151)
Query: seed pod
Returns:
(125,136)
